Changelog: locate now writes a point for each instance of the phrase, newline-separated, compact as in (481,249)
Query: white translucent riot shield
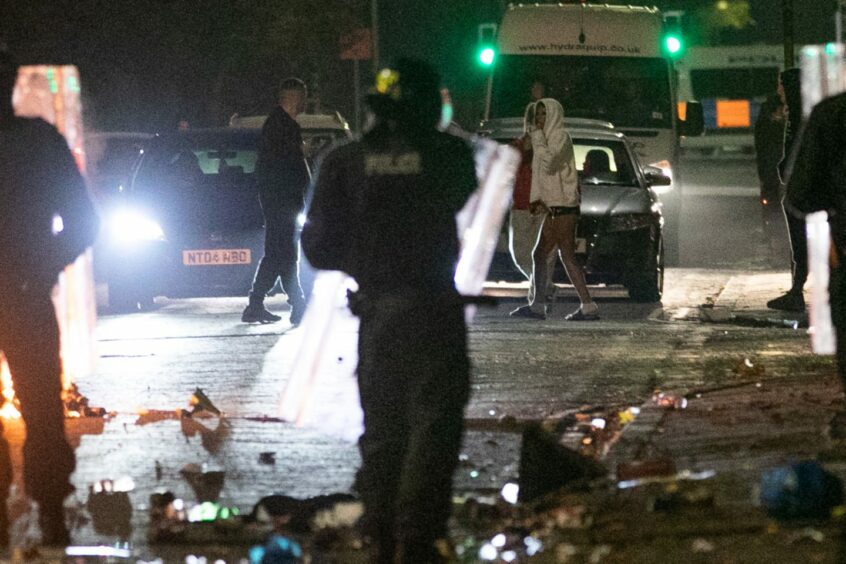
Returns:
(53,94)
(823,75)
(322,391)
(823,340)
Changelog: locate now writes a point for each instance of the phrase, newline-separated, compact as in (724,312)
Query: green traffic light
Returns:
(674,44)
(487,56)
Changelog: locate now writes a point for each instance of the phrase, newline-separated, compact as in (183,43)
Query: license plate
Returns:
(216,257)
(581,245)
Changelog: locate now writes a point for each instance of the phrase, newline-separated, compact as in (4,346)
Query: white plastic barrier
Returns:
(820,328)
(823,75)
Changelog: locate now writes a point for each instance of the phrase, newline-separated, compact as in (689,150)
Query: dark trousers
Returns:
(29,337)
(413,375)
(281,254)
(798,251)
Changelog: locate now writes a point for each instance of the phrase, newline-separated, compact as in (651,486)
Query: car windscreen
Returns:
(603,163)
(182,162)
(316,141)
(627,91)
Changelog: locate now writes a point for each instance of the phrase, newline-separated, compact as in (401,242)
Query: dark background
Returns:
(146,64)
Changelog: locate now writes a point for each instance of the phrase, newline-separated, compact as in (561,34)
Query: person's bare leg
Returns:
(566,230)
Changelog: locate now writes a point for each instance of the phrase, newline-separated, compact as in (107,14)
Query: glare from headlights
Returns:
(131,226)
(667,170)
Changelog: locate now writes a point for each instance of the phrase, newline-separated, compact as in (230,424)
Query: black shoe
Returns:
(527,311)
(579,315)
(258,314)
(297,313)
(791,301)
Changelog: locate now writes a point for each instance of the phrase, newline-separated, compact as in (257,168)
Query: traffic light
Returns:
(486,49)
(674,44)
(673,39)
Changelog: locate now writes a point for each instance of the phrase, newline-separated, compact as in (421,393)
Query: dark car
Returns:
(190,222)
(619,235)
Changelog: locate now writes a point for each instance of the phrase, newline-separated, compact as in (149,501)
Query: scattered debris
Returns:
(749,369)
(268,458)
(807,534)
(546,465)
(277,550)
(110,508)
(800,490)
(702,546)
(683,495)
(76,404)
(286,513)
(666,399)
(207,484)
(174,521)
(200,402)
(723,315)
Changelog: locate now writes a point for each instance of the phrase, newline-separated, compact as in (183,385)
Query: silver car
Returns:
(619,235)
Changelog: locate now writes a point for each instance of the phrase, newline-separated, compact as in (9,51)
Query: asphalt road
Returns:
(721,220)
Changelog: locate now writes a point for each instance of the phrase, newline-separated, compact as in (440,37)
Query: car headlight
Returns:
(667,170)
(631,222)
(130,226)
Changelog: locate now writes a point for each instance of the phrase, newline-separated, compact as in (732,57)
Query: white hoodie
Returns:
(555,180)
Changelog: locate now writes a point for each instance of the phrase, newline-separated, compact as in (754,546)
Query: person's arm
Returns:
(80,222)
(549,153)
(326,232)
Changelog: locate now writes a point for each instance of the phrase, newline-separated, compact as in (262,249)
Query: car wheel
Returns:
(648,286)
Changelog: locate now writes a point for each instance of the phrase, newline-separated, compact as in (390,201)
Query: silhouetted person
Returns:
(46,221)
(769,149)
(384,212)
(790,89)
(282,177)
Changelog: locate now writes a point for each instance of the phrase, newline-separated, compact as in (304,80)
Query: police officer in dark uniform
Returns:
(383,210)
(283,177)
(818,182)
(46,221)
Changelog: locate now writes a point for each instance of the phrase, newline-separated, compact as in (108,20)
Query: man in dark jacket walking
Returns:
(818,182)
(283,177)
(384,212)
(46,220)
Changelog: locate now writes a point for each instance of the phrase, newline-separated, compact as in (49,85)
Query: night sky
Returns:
(147,63)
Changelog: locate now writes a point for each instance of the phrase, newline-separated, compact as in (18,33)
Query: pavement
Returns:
(756,397)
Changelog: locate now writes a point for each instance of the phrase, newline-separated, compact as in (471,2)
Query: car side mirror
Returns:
(694,121)
(656,177)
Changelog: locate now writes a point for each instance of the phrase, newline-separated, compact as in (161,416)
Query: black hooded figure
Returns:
(383,211)
(790,88)
(46,221)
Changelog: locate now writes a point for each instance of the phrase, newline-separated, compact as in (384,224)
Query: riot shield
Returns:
(823,75)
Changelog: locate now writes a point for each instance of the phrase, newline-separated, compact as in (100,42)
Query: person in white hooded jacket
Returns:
(555,195)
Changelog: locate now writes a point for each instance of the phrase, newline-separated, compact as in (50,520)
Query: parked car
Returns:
(111,157)
(619,235)
(189,222)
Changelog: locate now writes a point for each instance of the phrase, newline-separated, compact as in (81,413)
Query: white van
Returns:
(731,83)
(601,62)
